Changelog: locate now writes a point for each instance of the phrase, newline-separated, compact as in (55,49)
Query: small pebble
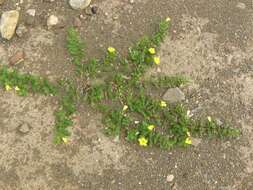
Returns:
(52,21)
(94,9)
(17,58)
(241,5)
(174,95)
(24,128)
(79,4)
(115,17)
(170,178)
(31,12)
(21,30)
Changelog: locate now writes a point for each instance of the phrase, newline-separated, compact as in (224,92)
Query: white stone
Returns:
(170,178)
(8,23)
(79,4)
(31,12)
(52,21)
(241,5)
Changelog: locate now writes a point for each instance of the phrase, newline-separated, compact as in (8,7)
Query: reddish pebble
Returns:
(17,58)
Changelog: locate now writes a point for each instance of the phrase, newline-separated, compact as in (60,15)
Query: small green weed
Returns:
(63,117)
(75,48)
(143,119)
(166,81)
(210,128)
(121,98)
(91,68)
(115,121)
(95,94)
(25,83)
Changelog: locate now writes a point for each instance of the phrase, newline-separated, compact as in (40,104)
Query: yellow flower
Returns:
(7,87)
(151,127)
(209,119)
(111,49)
(188,141)
(157,60)
(188,134)
(65,140)
(151,51)
(143,141)
(125,108)
(17,88)
(168,19)
(163,104)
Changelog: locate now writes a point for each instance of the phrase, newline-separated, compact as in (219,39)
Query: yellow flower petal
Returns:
(168,19)
(157,60)
(7,87)
(209,119)
(151,127)
(111,49)
(151,51)
(143,141)
(125,108)
(188,134)
(188,141)
(163,104)
(17,88)
(65,140)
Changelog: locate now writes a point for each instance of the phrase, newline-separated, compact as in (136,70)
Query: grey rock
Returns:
(8,23)
(79,4)
(174,95)
(24,128)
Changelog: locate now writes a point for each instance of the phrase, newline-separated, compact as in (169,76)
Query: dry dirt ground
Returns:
(210,41)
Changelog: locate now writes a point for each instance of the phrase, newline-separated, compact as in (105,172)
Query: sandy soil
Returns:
(210,41)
